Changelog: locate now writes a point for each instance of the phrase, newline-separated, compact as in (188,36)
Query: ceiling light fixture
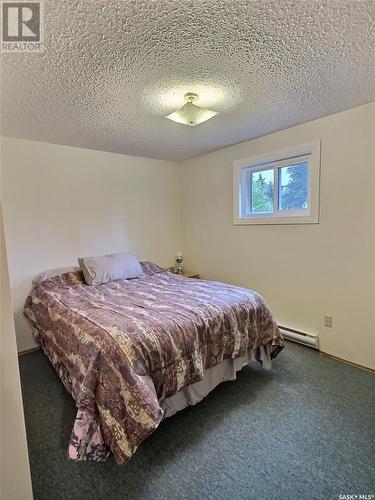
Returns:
(190,114)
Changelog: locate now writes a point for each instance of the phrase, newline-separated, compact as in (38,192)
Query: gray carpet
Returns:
(305,430)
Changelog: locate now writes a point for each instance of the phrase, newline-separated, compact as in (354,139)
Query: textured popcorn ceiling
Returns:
(113,69)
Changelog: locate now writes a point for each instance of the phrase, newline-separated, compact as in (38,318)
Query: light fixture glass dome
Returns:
(190,114)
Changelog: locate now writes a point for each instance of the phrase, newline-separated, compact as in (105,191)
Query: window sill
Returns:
(250,221)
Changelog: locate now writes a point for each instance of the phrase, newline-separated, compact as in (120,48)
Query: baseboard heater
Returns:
(309,339)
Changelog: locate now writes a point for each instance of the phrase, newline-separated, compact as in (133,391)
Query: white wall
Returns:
(61,203)
(15,481)
(302,271)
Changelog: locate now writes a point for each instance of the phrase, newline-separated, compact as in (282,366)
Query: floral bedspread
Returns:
(122,347)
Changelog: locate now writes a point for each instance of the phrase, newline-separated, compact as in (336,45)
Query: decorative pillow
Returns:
(116,266)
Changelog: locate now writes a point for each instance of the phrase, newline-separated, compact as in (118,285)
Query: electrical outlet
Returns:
(328,321)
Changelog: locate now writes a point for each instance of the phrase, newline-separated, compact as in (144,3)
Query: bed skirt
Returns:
(224,371)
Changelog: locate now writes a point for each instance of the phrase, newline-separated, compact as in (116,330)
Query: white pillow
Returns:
(116,266)
(50,273)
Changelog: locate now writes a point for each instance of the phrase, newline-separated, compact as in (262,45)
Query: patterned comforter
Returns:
(123,347)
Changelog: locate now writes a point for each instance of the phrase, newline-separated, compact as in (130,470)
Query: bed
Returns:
(132,352)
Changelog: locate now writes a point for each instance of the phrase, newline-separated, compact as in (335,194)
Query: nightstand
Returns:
(189,274)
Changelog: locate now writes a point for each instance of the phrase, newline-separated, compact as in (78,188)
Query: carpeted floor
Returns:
(305,430)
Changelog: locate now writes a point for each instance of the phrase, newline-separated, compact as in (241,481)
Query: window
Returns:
(278,188)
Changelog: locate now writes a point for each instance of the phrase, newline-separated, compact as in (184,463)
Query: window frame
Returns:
(242,169)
